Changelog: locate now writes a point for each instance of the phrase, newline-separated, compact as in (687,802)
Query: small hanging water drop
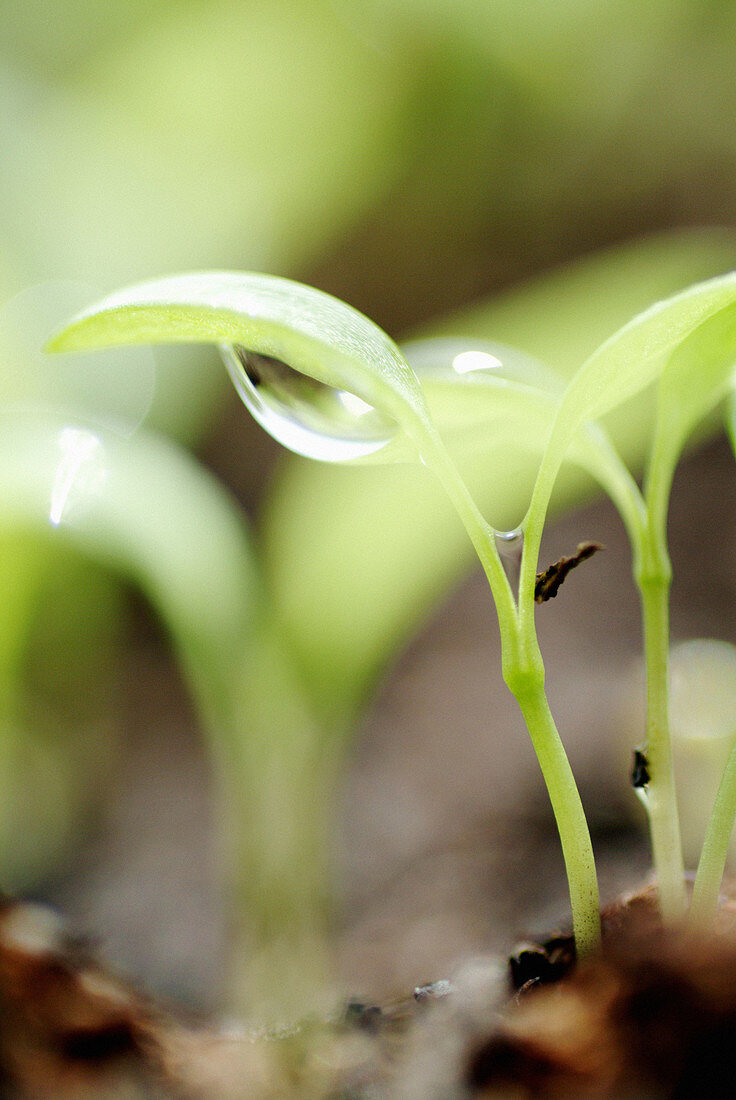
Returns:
(472,387)
(510,546)
(303,414)
(510,543)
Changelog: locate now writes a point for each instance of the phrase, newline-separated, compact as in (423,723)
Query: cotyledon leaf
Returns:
(629,361)
(145,508)
(312,332)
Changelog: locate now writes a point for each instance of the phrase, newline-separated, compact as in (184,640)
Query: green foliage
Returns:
(419,549)
(687,339)
(408,157)
(150,512)
(312,332)
(257,664)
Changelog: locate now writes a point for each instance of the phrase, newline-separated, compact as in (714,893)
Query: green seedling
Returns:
(328,383)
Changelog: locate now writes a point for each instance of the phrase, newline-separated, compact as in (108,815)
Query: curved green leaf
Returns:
(630,360)
(313,332)
(148,510)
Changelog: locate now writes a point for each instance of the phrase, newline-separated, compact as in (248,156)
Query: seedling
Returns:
(326,382)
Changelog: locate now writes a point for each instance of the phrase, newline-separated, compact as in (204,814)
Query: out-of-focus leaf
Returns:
(59,718)
(106,391)
(262,129)
(697,376)
(149,511)
(224,135)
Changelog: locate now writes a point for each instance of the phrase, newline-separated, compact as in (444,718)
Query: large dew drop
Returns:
(303,414)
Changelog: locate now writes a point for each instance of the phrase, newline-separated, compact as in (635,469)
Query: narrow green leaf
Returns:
(633,358)
(622,367)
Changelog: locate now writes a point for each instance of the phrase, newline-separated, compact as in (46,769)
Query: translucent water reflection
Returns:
(80,474)
(477,384)
(458,356)
(510,545)
(322,422)
(307,416)
(703,728)
(468,361)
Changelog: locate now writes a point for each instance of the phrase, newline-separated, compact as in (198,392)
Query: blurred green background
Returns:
(411,158)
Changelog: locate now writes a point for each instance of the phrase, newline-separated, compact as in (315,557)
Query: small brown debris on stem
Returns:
(640,771)
(548,582)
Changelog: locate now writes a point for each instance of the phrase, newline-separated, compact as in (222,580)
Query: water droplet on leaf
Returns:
(80,474)
(510,543)
(459,357)
(307,416)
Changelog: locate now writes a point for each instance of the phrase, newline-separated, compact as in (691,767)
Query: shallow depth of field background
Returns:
(411,159)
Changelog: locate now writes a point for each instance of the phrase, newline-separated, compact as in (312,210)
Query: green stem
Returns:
(661,795)
(276,769)
(481,534)
(653,574)
(646,524)
(715,850)
(524,674)
(569,815)
(603,461)
(533,528)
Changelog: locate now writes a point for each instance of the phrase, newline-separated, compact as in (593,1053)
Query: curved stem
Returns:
(524,674)
(480,532)
(715,850)
(603,461)
(569,815)
(533,527)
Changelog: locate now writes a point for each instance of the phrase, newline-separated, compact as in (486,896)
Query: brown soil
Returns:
(654,1016)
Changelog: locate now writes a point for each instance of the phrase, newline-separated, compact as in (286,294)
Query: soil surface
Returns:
(652,1016)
